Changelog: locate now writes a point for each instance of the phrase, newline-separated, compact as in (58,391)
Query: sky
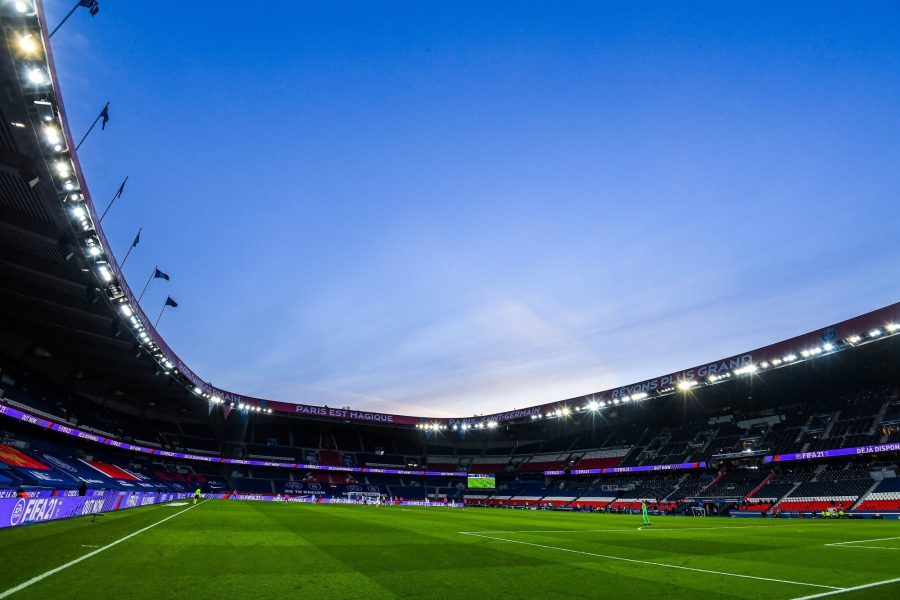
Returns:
(457,208)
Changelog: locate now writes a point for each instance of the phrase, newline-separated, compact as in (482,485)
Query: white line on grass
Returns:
(868,547)
(658,564)
(896,537)
(644,528)
(47,574)
(850,589)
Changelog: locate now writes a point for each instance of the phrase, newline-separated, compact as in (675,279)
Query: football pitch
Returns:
(279,550)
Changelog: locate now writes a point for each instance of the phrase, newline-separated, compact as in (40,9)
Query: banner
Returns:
(641,469)
(14,458)
(835,452)
(38,508)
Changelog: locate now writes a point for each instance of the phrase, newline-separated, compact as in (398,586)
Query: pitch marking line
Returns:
(643,528)
(659,564)
(870,547)
(47,574)
(850,543)
(850,589)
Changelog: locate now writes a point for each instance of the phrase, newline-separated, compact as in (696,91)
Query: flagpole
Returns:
(155,325)
(94,124)
(114,198)
(147,285)
(66,18)
(133,245)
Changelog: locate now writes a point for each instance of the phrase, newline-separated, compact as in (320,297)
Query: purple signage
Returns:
(39,508)
(641,469)
(893,447)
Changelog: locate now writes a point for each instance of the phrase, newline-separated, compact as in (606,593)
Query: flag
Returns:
(137,239)
(157,274)
(104,114)
(170,302)
(93,6)
(121,187)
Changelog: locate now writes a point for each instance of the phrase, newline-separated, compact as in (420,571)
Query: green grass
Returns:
(269,550)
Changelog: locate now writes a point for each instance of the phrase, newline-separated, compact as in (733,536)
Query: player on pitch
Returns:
(644,514)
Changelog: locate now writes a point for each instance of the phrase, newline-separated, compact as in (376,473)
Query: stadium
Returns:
(771,472)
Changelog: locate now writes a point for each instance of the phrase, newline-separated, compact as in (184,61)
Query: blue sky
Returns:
(456,208)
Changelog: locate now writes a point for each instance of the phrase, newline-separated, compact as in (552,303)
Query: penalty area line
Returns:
(659,564)
(56,570)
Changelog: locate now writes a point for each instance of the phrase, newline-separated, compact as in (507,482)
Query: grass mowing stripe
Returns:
(659,564)
(47,574)
(855,588)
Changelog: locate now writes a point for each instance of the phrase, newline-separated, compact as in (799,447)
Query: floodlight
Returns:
(28,44)
(37,76)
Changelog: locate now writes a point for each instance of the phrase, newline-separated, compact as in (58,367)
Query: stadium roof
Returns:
(68,310)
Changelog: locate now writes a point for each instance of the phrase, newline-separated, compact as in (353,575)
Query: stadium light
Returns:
(492,424)
(565,410)
(126,310)
(853,339)
(874,333)
(22,7)
(790,358)
(52,135)
(592,405)
(38,76)
(28,44)
(892,327)
(639,396)
(105,274)
(686,384)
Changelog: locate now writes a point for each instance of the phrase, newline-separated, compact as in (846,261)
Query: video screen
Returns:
(481,482)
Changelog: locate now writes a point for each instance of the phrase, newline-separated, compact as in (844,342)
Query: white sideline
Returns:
(47,574)
(896,537)
(850,589)
(659,564)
